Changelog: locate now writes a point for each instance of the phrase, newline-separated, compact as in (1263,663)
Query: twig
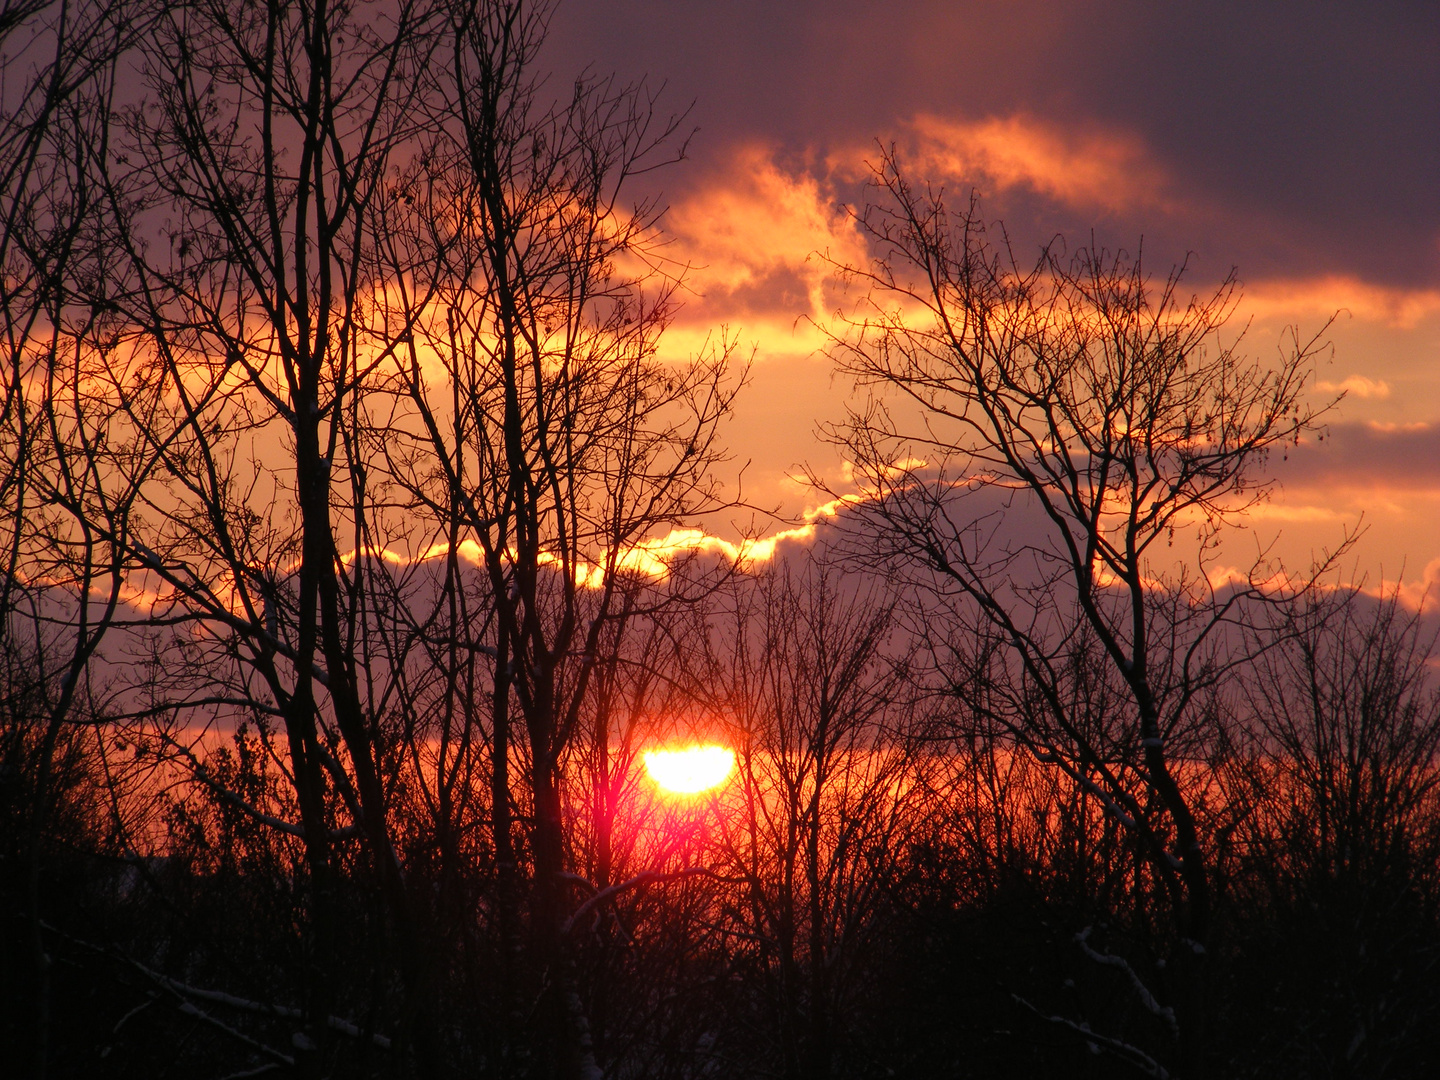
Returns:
(609,893)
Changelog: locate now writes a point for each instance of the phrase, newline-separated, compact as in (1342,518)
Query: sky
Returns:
(1296,142)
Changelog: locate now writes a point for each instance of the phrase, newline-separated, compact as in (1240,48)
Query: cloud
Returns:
(757,238)
(1417,595)
(1378,458)
(1291,513)
(1289,298)
(1304,136)
(761,236)
(1356,386)
(1086,169)
(653,556)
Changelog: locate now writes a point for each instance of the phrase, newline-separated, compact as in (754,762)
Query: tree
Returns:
(1342,851)
(822,810)
(62,575)
(231,193)
(1037,438)
(537,418)
(352,295)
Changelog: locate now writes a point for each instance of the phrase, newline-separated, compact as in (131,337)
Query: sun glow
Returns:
(691,770)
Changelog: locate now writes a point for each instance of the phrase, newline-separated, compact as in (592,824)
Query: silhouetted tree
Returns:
(62,501)
(1341,853)
(825,804)
(1105,409)
(554,438)
(339,602)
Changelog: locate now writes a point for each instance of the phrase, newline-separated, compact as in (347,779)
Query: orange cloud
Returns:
(654,556)
(755,239)
(758,237)
(1110,170)
(757,218)
(1356,386)
(1324,296)
(1416,595)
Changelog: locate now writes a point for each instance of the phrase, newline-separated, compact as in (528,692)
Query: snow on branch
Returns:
(190,1009)
(1164,1012)
(185,993)
(1137,1057)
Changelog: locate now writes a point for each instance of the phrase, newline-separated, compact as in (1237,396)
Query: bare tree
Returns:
(1342,849)
(1037,438)
(824,806)
(235,202)
(538,420)
(62,503)
(354,296)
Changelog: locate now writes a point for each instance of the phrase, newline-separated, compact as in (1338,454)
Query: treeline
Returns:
(886,885)
(346,498)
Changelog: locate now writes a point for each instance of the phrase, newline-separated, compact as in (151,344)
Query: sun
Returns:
(691,770)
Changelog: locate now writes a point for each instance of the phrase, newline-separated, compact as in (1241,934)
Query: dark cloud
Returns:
(782,291)
(1302,139)
(1364,456)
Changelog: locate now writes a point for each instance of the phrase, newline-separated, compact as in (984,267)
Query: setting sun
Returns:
(689,771)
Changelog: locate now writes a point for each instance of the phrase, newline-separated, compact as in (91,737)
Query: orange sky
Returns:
(1301,147)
